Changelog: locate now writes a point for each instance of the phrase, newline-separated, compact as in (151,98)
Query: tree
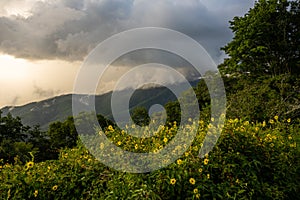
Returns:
(266,40)
(140,116)
(63,134)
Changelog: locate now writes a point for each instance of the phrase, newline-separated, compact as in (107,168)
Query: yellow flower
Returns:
(179,161)
(276,118)
(173,181)
(289,120)
(36,192)
(110,128)
(237,181)
(119,143)
(205,161)
(271,121)
(290,137)
(264,124)
(101,146)
(200,170)
(195,191)
(165,140)
(293,145)
(197,196)
(136,146)
(192,181)
(54,187)
(208,176)
(29,165)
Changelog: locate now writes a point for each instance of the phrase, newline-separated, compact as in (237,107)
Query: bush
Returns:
(250,161)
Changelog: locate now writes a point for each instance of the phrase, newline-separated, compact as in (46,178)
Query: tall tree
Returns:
(266,39)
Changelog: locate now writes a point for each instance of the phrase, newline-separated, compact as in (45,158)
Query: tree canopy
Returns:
(266,40)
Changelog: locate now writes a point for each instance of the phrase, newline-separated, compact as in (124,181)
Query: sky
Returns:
(44,43)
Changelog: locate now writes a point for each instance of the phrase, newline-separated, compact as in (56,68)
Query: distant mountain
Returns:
(59,108)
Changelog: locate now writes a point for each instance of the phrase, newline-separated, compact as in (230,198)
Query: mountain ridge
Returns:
(58,108)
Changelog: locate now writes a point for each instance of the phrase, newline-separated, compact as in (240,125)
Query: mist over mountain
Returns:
(60,107)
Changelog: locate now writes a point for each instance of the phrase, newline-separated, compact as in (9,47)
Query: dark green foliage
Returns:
(266,40)
(140,116)
(63,134)
(263,97)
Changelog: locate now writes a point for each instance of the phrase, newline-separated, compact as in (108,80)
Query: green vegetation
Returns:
(256,157)
(250,161)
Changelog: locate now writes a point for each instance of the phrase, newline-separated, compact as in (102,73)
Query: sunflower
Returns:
(205,161)
(192,181)
(29,165)
(173,181)
(179,161)
(54,187)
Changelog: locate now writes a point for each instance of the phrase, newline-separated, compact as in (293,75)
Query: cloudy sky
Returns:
(43,43)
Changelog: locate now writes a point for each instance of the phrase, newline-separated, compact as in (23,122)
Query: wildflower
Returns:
(136,146)
(198,196)
(165,140)
(246,123)
(212,119)
(237,181)
(271,121)
(36,192)
(290,137)
(289,120)
(276,118)
(54,187)
(195,191)
(200,170)
(196,148)
(294,145)
(179,161)
(101,146)
(29,165)
(119,143)
(208,176)
(110,128)
(264,124)
(205,161)
(173,181)
(192,181)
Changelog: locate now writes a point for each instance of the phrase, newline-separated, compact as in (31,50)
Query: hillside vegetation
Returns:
(256,157)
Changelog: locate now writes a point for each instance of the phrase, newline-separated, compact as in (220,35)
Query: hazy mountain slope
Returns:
(60,107)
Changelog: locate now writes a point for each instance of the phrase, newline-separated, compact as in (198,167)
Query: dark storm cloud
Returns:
(70,29)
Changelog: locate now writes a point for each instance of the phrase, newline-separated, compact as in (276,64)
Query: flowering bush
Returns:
(250,161)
